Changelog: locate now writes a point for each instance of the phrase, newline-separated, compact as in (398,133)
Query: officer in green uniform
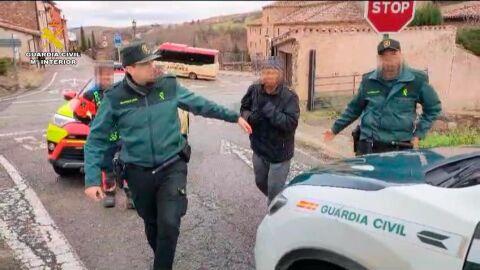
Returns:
(386,104)
(143,107)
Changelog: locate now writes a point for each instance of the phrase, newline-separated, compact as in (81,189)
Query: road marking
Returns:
(37,101)
(245,154)
(35,92)
(29,230)
(33,143)
(21,133)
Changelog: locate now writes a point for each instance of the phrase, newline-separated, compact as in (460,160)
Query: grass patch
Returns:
(452,138)
(428,14)
(317,115)
(469,38)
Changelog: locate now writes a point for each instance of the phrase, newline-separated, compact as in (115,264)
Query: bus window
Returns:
(188,61)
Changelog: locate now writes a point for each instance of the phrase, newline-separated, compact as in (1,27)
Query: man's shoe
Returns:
(109,200)
(130,204)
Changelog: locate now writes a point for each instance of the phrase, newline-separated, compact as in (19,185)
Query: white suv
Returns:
(399,210)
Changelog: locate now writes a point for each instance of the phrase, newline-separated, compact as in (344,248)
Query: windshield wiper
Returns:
(469,175)
(462,175)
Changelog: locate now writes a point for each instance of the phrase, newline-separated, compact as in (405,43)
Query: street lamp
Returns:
(134,27)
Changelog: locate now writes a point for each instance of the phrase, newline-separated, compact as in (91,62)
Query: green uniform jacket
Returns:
(389,114)
(147,122)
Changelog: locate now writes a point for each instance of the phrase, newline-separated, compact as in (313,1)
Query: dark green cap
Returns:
(136,53)
(388,44)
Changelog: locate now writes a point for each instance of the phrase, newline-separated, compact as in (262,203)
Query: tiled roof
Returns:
(256,22)
(332,29)
(467,11)
(5,24)
(325,12)
(292,3)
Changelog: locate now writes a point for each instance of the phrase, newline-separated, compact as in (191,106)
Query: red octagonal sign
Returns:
(389,16)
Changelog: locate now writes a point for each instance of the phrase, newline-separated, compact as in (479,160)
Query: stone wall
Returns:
(345,51)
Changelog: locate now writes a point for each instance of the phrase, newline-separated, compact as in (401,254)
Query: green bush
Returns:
(428,14)
(470,39)
(452,138)
(4,64)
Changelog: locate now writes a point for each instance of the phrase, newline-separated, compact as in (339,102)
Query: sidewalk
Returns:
(237,73)
(312,136)
(7,259)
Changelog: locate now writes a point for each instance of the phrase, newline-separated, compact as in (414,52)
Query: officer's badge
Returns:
(145,49)
(386,43)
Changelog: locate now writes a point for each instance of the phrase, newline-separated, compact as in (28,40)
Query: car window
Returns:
(89,86)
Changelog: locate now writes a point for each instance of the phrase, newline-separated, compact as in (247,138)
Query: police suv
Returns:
(400,210)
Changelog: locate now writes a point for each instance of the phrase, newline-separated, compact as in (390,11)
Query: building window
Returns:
(250,44)
(267,31)
(255,45)
(260,31)
(278,31)
(267,19)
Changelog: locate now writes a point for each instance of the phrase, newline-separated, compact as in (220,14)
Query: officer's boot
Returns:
(128,194)
(109,185)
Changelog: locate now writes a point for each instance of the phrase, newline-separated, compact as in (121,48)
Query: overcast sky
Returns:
(121,13)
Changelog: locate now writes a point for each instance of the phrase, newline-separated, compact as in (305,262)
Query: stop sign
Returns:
(389,16)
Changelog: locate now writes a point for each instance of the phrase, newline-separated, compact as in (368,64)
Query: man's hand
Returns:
(94,193)
(328,136)
(244,125)
(415,142)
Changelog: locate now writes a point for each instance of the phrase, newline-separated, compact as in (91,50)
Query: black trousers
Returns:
(367,147)
(161,201)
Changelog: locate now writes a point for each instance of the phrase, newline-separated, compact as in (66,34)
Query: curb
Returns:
(237,74)
(317,144)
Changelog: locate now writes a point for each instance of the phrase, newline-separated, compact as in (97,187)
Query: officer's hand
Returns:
(244,125)
(328,136)
(94,193)
(415,142)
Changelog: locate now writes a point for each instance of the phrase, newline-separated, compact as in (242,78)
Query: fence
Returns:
(331,93)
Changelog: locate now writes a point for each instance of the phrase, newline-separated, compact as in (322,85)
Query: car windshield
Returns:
(89,86)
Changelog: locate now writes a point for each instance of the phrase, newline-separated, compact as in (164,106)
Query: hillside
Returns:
(224,33)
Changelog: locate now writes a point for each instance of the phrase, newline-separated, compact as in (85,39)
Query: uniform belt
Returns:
(155,169)
(392,144)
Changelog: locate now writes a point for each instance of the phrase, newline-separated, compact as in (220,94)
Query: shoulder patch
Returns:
(169,75)
(420,74)
(366,75)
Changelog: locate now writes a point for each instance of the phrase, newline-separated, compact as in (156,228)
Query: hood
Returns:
(405,167)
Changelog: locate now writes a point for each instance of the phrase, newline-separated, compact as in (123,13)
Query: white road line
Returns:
(37,101)
(35,92)
(245,154)
(30,231)
(21,133)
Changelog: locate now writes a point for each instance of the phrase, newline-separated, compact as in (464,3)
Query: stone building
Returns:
(24,20)
(345,46)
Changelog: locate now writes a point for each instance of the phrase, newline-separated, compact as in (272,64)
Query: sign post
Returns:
(388,17)
(117,40)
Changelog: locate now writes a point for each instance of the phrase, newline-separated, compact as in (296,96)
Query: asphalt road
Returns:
(51,216)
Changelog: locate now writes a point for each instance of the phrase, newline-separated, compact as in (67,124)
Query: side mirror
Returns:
(69,94)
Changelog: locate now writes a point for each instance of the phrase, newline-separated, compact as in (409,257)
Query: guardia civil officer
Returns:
(143,107)
(386,104)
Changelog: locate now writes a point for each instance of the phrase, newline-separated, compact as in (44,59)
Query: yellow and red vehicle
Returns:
(66,136)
